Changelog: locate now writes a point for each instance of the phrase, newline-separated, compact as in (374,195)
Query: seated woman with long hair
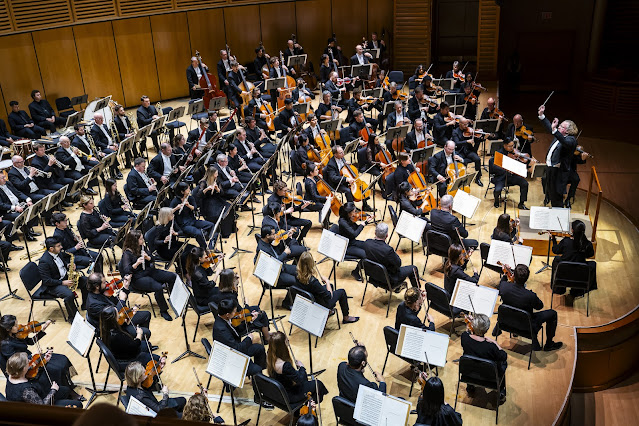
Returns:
(575,249)
(292,375)
(198,409)
(135,376)
(92,226)
(431,408)
(112,205)
(348,227)
(321,292)
(204,289)
(505,230)
(209,195)
(454,270)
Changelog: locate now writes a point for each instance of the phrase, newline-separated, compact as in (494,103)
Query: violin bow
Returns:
(199,384)
(427,364)
(44,365)
(148,346)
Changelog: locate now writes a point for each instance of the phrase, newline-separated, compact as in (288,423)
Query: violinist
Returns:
(574,179)
(332,175)
(576,248)
(470,97)
(432,410)
(357,103)
(332,86)
(522,143)
(443,125)
(408,202)
(379,251)
(408,311)
(184,209)
(440,161)
(350,374)
(518,296)
(391,94)
(348,227)
(135,374)
(507,229)
(444,221)
(326,110)
(285,120)
(193,75)
(256,102)
(58,366)
(476,344)
(491,111)
(21,389)
(281,252)
(465,140)
(288,220)
(291,374)
(325,68)
(457,75)
(359,123)
(71,243)
(454,270)
(418,135)
(419,107)
(204,289)
(499,176)
(273,213)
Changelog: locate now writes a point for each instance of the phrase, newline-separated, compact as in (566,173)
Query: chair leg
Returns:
(151,304)
(530,357)
(399,240)
(364,295)
(412,384)
(258,413)
(64,316)
(425,263)
(456,394)
(551,297)
(290,330)
(120,393)
(588,304)
(316,339)
(390,296)
(107,379)
(197,324)
(385,361)
(99,360)
(30,310)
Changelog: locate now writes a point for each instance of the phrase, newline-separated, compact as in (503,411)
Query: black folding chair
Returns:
(271,391)
(481,372)
(437,243)
(573,275)
(113,365)
(374,269)
(439,299)
(484,248)
(519,322)
(344,410)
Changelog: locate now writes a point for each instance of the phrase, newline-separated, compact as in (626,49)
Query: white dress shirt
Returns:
(60,264)
(78,163)
(14,200)
(167,165)
(32,186)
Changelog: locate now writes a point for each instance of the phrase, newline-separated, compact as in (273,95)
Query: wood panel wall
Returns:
(148,55)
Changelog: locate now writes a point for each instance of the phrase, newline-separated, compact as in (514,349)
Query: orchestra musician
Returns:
(300,161)
(193,75)
(349,228)
(333,51)
(43,114)
(292,49)
(23,179)
(92,226)
(229,181)
(397,117)
(359,123)
(73,245)
(501,176)
(439,162)
(360,57)
(113,205)
(325,68)
(261,60)
(6,138)
(332,175)
(104,143)
(140,187)
(184,209)
(164,232)
(431,408)
(451,74)
(443,220)
(204,289)
(418,108)
(239,166)
(350,374)
(506,229)
(135,375)
(466,147)
(443,129)
(164,168)
(405,192)
(12,204)
(145,114)
(404,168)
(81,142)
(470,97)
(235,79)
(576,248)
(379,251)
(408,311)
(284,121)
(273,214)
(417,135)
(288,220)
(310,189)
(200,135)
(22,125)
(259,138)
(301,93)
(326,110)
(79,165)
(332,87)
(281,252)
(223,68)
(523,145)
(254,105)
(559,156)
(454,270)
(48,164)
(210,197)
(247,151)
(517,295)
(125,129)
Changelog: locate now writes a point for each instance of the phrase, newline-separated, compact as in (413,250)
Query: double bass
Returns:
(244,86)
(208,83)
(289,84)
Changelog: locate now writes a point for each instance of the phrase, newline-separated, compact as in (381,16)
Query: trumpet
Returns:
(39,173)
(58,163)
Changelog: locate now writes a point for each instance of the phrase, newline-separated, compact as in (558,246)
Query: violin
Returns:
(507,270)
(497,114)
(212,259)
(524,133)
(478,86)
(401,96)
(580,150)
(289,198)
(126,313)
(468,319)
(31,327)
(281,235)
(459,76)
(36,362)
(521,156)
(242,316)
(113,286)
(476,133)
(308,408)
(472,98)
(153,368)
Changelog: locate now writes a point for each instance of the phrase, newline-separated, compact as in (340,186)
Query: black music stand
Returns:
(396,132)
(459,184)
(422,154)
(181,311)
(216,104)
(296,60)
(12,293)
(362,71)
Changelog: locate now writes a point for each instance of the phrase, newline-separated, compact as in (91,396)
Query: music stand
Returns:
(195,107)
(362,71)
(216,104)
(78,100)
(445,83)
(79,184)
(538,170)
(374,52)
(124,229)
(102,103)
(458,109)
(35,212)
(74,119)
(330,125)
(388,108)
(396,132)
(274,83)
(451,98)
(422,154)
(301,108)
(56,198)
(351,147)
(375,93)
(488,126)
(460,183)
(176,113)
(296,60)
(143,215)
(159,199)
(12,293)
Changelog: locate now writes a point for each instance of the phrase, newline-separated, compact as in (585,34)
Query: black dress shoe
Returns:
(496,204)
(268,191)
(522,206)
(479,183)
(166,316)
(30,237)
(34,233)
(119,176)
(356,275)
(567,203)
(15,247)
(552,346)
(4,268)
(245,208)
(90,191)
(155,347)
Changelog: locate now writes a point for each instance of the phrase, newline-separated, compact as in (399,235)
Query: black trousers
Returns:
(59,122)
(513,180)
(472,157)
(153,281)
(573,180)
(69,296)
(555,186)
(549,316)
(409,272)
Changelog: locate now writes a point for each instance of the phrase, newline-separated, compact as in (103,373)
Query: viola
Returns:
(497,114)
(580,150)
(212,260)
(242,316)
(289,198)
(507,270)
(459,76)
(153,368)
(280,235)
(469,323)
(472,98)
(31,327)
(308,407)
(208,83)
(112,286)
(126,313)
(36,362)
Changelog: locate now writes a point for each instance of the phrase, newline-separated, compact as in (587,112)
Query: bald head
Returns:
(446,202)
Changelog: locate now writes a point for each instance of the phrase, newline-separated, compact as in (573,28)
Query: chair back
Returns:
(515,320)
(393,215)
(390,186)
(411,83)
(396,76)
(438,299)
(344,410)
(484,248)
(127,193)
(272,391)
(334,228)
(390,336)
(437,243)
(207,345)
(572,275)
(345,135)
(478,371)
(110,358)
(149,238)
(376,273)
(213,308)
(298,189)
(63,103)
(124,399)
(199,309)
(30,276)
(296,290)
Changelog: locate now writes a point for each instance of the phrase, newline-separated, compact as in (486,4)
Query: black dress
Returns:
(112,207)
(570,252)
(297,384)
(203,289)
(211,205)
(88,225)
(446,416)
(33,393)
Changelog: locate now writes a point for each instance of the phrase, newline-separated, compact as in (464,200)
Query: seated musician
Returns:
(326,110)
(431,408)
(164,232)
(333,176)
(6,138)
(239,166)
(43,114)
(58,365)
(12,204)
(310,189)
(125,130)
(300,156)
(228,335)
(53,267)
(418,135)
(517,295)
(247,151)
(163,168)
(291,375)
(21,389)
(285,120)
(350,374)
(408,201)
(359,123)
(576,248)
(475,343)
(380,252)
(404,168)
(357,103)
(274,215)
(397,117)
(281,252)
(197,275)
(418,107)
(113,205)
(257,136)
(184,208)
(93,226)
(81,141)
(470,97)
(466,148)
(293,48)
(135,375)
(22,125)
(49,164)
(313,130)
(451,74)
(104,143)
(444,221)
(522,143)
(502,176)
(302,94)
(348,227)
(325,68)
(78,164)
(72,244)
(491,111)
(443,125)
(146,278)
(254,107)
(323,292)
(179,147)
(439,163)
(200,135)
(506,229)
(454,270)
(23,179)
(367,161)
(333,89)
(390,95)
(230,183)
(140,186)
(288,220)
(210,197)
(408,311)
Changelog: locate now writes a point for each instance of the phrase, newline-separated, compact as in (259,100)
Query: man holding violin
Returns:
(443,125)
(464,137)
(524,141)
(500,174)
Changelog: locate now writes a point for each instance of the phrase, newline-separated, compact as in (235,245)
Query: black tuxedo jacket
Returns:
(136,186)
(380,252)
(156,167)
(40,111)
(194,135)
(568,144)
(441,132)
(191,76)
(410,143)
(224,182)
(437,164)
(17,120)
(20,182)
(42,163)
(4,133)
(65,158)
(355,61)
(446,223)
(5,203)
(145,115)
(331,87)
(225,334)
(332,173)
(78,143)
(49,271)
(221,73)
(520,297)
(119,125)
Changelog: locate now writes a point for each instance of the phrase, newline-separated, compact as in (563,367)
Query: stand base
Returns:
(95,394)
(187,353)
(543,268)
(238,250)
(11,294)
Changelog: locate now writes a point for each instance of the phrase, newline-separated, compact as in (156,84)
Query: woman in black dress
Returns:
(179,145)
(431,408)
(92,225)
(291,374)
(204,289)
(113,206)
(135,375)
(575,249)
(348,227)
(506,230)
(325,68)
(454,269)
(209,195)
(404,192)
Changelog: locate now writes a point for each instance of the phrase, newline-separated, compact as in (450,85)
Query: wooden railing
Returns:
(594,178)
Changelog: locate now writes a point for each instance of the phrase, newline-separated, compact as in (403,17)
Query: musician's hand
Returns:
(458,158)
(167,239)
(226,82)
(379,376)
(19,209)
(165,389)
(29,202)
(55,387)
(164,179)
(289,210)
(51,161)
(370,219)
(255,338)
(67,283)
(140,261)
(255,313)
(152,188)
(451,123)
(554,124)
(441,178)
(194,87)
(32,172)
(126,282)
(138,333)
(305,204)
(541,110)
(287,250)
(350,180)
(78,246)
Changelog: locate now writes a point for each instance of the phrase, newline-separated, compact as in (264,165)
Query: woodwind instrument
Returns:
(356,342)
(72,273)
(171,232)
(103,217)
(125,201)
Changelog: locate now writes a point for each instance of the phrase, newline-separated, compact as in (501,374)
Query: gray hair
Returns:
(446,202)
(481,324)
(381,231)
(97,114)
(193,58)
(326,92)
(220,157)
(450,141)
(204,120)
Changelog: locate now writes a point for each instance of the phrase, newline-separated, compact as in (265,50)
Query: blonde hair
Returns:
(305,267)
(164,215)
(210,172)
(571,129)
(16,363)
(197,409)
(84,199)
(134,373)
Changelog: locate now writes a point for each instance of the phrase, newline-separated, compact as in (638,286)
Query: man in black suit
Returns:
(417,135)
(125,129)
(247,151)
(53,268)
(227,178)
(301,93)
(284,121)
(200,135)
(501,177)
(146,113)
(442,129)
(417,106)
(292,49)
(79,165)
(465,146)
(360,122)
(10,208)
(437,165)
(350,375)
(258,137)
(73,244)
(43,114)
(47,163)
(281,252)
(22,125)
(226,334)
(235,93)
(260,61)
(517,295)
(6,138)
(162,166)
(331,87)
(193,75)
(378,251)
(559,157)
(223,68)
(139,185)
(334,177)
(24,180)
(443,220)
(361,58)
(104,142)
(81,141)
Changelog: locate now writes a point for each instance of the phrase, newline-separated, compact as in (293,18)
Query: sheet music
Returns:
(81,334)
(227,364)
(515,166)
(139,409)
(179,296)
(309,316)
(548,219)
(267,268)
(411,227)
(326,208)
(413,342)
(465,204)
(374,408)
(333,245)
(484,298)
(503,252)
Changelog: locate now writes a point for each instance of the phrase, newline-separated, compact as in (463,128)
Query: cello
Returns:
(424,193)
(289,84)
(208,83)
(382,156)
(359,188)
(454,171)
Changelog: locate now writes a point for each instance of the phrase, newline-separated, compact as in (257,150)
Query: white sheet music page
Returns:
(326,208)
(267,268)
(310,317)
(139,409)
(502,251)
(227,364)
(81,334)
(411,227)
(465,204)
(179,296)
(515,166)
(373,408)
(333,245)
(484,298)
(549,219)
(413,342)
